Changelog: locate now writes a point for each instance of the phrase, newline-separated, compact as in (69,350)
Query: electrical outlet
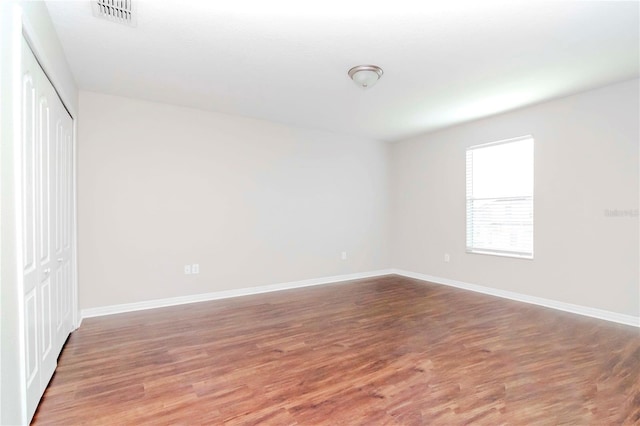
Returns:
(447,257)
(187,269)
(344,255)
(195,268)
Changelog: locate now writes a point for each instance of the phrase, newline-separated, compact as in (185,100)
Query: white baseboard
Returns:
(180,300)
(554,304)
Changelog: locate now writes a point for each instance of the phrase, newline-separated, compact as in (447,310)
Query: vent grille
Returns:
(121,11)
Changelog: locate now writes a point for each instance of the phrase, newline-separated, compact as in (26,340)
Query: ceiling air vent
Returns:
(121,11)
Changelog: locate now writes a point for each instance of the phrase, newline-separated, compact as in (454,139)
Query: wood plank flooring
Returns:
(384,351)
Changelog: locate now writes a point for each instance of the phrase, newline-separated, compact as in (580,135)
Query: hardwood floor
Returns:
(381,351)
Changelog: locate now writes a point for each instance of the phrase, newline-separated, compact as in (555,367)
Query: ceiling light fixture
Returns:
(365,76)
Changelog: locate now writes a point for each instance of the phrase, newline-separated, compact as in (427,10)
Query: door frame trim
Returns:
(12,399)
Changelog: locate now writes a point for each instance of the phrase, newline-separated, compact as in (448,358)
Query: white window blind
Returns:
(500,198)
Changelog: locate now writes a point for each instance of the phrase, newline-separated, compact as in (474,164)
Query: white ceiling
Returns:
(444,62)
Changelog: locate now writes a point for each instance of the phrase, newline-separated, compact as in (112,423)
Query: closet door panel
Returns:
(56,236)
(46,212)
(47,306)
(30,240)
(62,180)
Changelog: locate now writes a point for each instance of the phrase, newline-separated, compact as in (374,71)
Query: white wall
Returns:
(586,161)
(9,329)
(257,203)
(43,38)
(252,202)
(33,17)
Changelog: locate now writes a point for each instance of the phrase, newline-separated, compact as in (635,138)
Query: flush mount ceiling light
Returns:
(365,76)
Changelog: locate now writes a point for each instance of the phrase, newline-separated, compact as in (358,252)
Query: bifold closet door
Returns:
(62,237)
(47,166)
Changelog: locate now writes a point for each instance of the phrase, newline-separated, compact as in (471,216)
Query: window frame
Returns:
(469,246)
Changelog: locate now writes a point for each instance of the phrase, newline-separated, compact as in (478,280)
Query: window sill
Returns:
(501,254)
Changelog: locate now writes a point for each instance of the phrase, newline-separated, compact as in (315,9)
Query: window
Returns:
(500,198)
